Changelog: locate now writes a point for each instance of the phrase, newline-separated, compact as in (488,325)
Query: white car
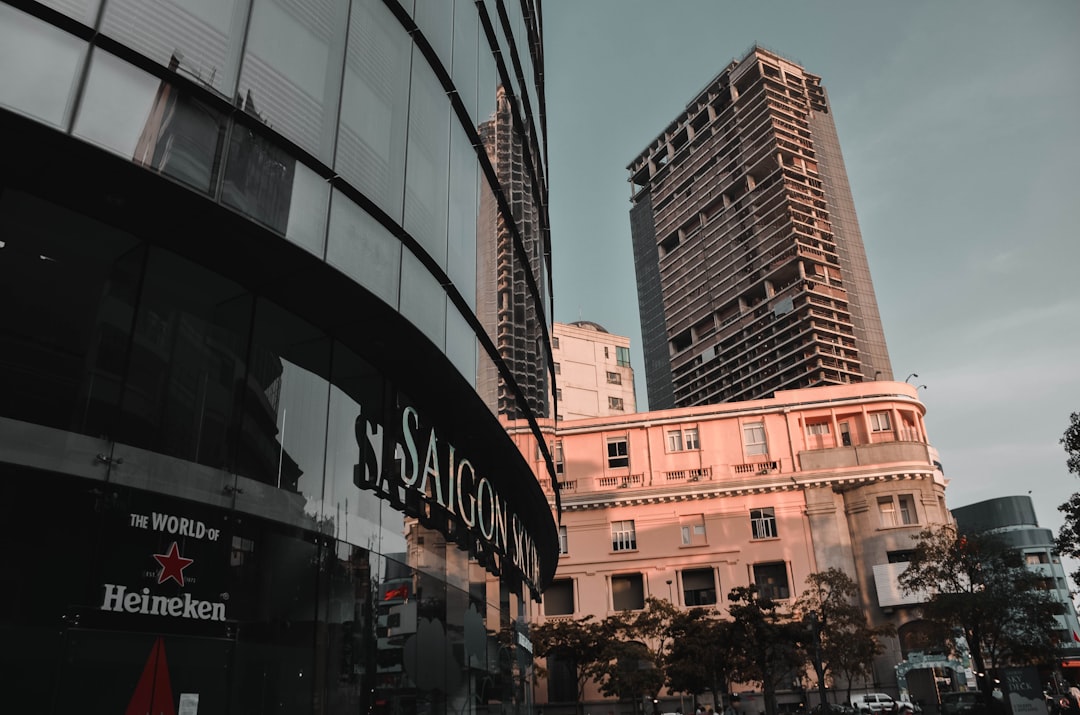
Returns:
(875,703)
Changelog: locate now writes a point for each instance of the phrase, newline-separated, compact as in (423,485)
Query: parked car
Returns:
(875,703)
(904,705)
(833,709)
(970,702)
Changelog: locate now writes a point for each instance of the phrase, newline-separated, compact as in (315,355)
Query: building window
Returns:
(907,509)
(558,393)
(771,580)
(627,592)
(559,468)
(900,557)
(682,439)
(690,438)
(623,537)
(615,403)
(1036,558)
(897,510)
(754,438)
(617,453)
(622,356)
(558,369)
(614,378)
(763,523)
(692,530)
(817,428)
(564,544)
(879,422)
(698,587)
(606,353)
(559,598)
(554,343)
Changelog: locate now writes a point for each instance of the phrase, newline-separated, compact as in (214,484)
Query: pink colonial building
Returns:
(686,504)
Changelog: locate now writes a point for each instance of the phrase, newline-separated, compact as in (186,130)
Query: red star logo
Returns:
(172,565)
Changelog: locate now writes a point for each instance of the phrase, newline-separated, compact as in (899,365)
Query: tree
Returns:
(699,658)
(632,662)
(838,637)
(765,642)
(977,584)
(1068,540)
(581,642)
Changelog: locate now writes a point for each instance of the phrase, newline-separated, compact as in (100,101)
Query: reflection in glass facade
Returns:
(275,278)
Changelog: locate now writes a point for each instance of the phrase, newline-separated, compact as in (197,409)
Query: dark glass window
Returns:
(771,580)
(188,370)
(699,587)
(562,677)
(285,399)
(627,592)
(559,598)
(68,287)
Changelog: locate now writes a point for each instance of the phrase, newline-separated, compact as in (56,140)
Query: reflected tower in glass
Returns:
(274,287)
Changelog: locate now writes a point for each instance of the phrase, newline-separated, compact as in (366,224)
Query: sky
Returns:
(959,123)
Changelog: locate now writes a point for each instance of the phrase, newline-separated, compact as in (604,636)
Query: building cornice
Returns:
(643,496)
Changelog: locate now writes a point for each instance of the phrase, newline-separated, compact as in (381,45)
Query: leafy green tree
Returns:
(628,671)
(838,639)
(977,584)
(1068,540)
(581,642)
(764,642)
(699,658)
(851,652)
(632,662)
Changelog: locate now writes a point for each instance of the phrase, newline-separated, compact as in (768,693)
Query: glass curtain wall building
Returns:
(275,278)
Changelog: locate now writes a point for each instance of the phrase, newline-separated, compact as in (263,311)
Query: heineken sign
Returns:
(430,479)
(169,566)
(120,600)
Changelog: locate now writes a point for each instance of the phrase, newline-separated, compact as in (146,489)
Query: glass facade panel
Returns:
(151,122)
(427,176)
(423,300)
(375,106)
(464,204)
(435,18)
(85,11)
(294,85)
(37,67)
(461,345)
(264,182)
(283,436)
(363,249)
(200,39)
(63,351)
(466,49)
(356,448)
(187,368)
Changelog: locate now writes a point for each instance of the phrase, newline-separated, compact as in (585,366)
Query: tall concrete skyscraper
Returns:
(751,271)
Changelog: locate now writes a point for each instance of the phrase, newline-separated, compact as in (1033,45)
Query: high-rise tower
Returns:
(751,271)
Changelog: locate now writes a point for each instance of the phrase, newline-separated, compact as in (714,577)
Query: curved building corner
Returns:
(276,277)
